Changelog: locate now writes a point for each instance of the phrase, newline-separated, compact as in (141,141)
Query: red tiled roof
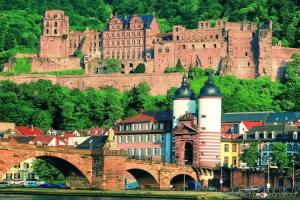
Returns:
(249,124)
(142,117)
(43,139)
(66,135)
(28,131)
(96,131)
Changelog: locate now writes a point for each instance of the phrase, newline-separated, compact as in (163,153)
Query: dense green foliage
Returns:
(177,68)
(141,68)
(110,66)
(22,66)
(46,171)
(280,157)
(249,155)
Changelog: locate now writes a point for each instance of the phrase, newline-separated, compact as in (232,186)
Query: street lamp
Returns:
(268,183)
(293,177)
(184,177)
(221,176)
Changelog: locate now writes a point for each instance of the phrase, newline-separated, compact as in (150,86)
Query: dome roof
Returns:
(210,89)
(184,91)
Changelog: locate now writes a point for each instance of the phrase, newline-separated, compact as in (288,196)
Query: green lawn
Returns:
(64,72)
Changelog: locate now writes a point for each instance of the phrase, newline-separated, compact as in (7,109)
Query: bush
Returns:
(141,68)
(111,66)
(177,68)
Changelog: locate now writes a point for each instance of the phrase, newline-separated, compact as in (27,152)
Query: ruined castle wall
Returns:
(159,83)
(54,64)
(241,53)
(280,56)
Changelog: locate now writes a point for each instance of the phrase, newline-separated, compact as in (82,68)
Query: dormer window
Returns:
(273,135)
(295,135)
(244,136)
(265,135)
(256,135)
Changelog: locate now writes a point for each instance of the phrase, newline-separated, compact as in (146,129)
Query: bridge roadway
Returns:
(100,168)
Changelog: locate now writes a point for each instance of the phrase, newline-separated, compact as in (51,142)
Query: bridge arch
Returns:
(75,176)
(179,180)
(144,178)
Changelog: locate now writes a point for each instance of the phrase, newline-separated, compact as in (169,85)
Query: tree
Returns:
(112,65)
(140,68)
(46,171)
(249,155)
(280,157)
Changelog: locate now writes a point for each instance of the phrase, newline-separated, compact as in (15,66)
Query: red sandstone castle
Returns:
(240,49)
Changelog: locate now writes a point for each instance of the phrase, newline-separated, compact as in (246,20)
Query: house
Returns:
(7,129)
(28,131)
(146,135)
(230,150)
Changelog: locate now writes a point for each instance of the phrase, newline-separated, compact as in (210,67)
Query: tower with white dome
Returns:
(184,101)
(209,124)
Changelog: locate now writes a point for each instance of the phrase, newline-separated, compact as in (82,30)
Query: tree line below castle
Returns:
(45,105)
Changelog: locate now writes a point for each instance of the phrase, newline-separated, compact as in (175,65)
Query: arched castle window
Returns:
(217,36)
(167,50)
(215,45)
(55,24)
(246,53)
(55,31)
(177,37)
(204,46)
(47,31)
(128,54)
(159,50)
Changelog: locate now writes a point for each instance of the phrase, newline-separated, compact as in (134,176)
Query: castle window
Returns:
(246,53)
(139,42)
(55,15)
(193,46)
(123,54)
(159,50)
(204,46)
(55,31)
(47,31)
(167,50)
(211,36)
(118,54)
(183,46)
(128,54)
(133,42)
(55,24)
(248,63)
(176,29)
(128,42)
(47,24)
(139,54)
(215,46)
(123,42)
(177,37)
(203,116)
(133,54)
(118,43)
(217,36)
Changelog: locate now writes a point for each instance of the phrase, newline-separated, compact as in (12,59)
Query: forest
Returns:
(46,105)
(20,20)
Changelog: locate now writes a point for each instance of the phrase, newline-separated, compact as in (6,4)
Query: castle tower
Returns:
(54,43)
(209,125)
(184,101)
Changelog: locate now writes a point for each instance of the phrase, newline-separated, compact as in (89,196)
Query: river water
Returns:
(50,197)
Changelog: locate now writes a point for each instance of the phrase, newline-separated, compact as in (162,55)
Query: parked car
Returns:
(249,189)
(31,184)
(3,184)
(210,189)
(194,185)
(50,185)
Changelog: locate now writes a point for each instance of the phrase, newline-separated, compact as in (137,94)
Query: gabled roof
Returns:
(245,116)
(282,117)
(141,117)
(22,139)
(94,142)
(28,131)
(227,136)
(185,129)
(43,139)
(249,124)
(147,20)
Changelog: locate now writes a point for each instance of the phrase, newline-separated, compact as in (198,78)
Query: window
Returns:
(47,31)
(143,137)
(123,139)
(8,176)
(193,46)
(157,151)
(177,37)
(226,148)
(234,161)
(159,50)
(233,147)
(17,166)
(176,29)
(248,63)
(17,176)
(55,31)
(183,46)
(148,138)
(167,50)
(130,152)
(25,165)
(295,135)
(246,53)
(149,152)
(129,139)
(204,46)
(217,36)
(55,24)
(47,24)
(225,160)
(203,116)
(215,46)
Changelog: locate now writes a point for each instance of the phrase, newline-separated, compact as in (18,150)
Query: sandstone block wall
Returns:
(159,83)
(54,64)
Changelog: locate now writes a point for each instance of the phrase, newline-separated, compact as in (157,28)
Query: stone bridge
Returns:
(102,168)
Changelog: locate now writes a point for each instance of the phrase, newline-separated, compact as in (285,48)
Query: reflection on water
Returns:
(50,197)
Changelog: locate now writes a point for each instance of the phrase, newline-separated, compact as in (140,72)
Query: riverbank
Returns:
(127,193)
